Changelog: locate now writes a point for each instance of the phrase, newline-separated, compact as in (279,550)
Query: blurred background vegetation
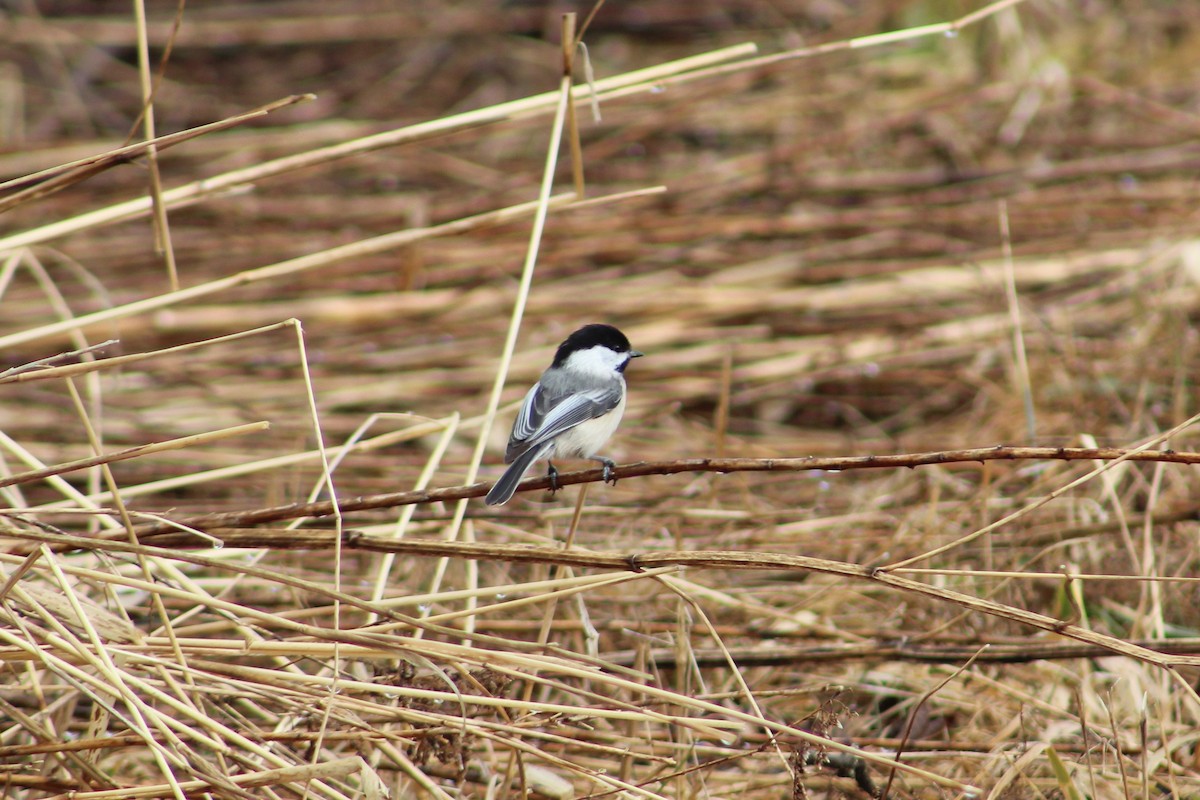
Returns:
(825,274)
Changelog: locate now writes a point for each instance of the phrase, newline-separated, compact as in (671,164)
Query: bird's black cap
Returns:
(590,336)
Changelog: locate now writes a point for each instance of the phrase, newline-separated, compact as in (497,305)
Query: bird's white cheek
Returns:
(598,361)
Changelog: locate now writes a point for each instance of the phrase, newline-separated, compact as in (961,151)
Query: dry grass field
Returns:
(908,503)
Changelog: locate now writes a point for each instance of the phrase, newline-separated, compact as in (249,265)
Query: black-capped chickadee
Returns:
(573,410)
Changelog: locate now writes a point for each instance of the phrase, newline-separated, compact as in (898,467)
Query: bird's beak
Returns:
(636,354)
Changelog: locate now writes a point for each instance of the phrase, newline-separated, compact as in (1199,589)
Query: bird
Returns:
(572,410)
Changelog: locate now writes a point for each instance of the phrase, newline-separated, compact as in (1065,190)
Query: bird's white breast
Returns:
(586,438)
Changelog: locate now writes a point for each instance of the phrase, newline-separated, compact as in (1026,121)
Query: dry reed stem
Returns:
(522,296)
(134,452)
(162,228)
(299,774)
(649,560)
(636,81)
(279,270)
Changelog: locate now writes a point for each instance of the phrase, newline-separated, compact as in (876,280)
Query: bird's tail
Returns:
(503,491)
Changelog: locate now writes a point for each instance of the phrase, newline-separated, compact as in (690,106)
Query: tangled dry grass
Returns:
(255,377)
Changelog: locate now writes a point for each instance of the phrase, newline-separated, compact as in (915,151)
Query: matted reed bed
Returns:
(907,498)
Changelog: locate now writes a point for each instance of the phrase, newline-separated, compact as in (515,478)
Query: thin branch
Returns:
(640,469)
(49,181)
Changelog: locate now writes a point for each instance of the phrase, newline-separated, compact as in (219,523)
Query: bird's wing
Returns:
(545,414)
(533,409)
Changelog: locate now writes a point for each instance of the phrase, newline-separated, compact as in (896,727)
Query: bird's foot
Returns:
(609,466)
(552,474)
